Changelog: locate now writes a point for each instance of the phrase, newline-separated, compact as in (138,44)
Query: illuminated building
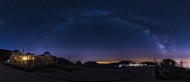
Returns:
(22,60)
(30,60)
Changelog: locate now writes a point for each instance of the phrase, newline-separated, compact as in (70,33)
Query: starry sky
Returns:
(98,30)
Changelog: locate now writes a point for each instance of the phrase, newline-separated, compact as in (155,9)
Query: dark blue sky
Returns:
(98,29)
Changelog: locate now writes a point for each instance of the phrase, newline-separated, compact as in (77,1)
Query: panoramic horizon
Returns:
(98,30)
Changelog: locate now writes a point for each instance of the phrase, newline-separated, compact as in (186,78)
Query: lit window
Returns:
(24,58)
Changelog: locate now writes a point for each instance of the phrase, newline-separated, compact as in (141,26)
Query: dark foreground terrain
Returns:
(84,74)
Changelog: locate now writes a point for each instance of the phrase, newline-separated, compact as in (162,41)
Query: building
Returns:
(168,63)
(22,60)
(29,60)
(45,59)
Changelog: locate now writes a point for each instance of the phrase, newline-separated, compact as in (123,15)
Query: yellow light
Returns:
(24,58)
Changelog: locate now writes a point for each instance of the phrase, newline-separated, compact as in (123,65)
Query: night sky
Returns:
(98,30)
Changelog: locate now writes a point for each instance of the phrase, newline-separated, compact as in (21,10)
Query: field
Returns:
(79,74)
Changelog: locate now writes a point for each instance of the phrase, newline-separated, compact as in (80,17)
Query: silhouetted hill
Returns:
(124,62)
(63,61)
(91,63)
(4,54)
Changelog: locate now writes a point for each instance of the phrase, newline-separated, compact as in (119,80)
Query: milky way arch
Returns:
(134,22)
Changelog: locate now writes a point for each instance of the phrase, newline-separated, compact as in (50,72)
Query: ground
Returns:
(79,74)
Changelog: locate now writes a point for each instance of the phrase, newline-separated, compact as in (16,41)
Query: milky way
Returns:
(162,42)
(98,29)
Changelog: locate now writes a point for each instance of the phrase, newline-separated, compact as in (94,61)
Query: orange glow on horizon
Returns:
(107,62)
(116,61)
